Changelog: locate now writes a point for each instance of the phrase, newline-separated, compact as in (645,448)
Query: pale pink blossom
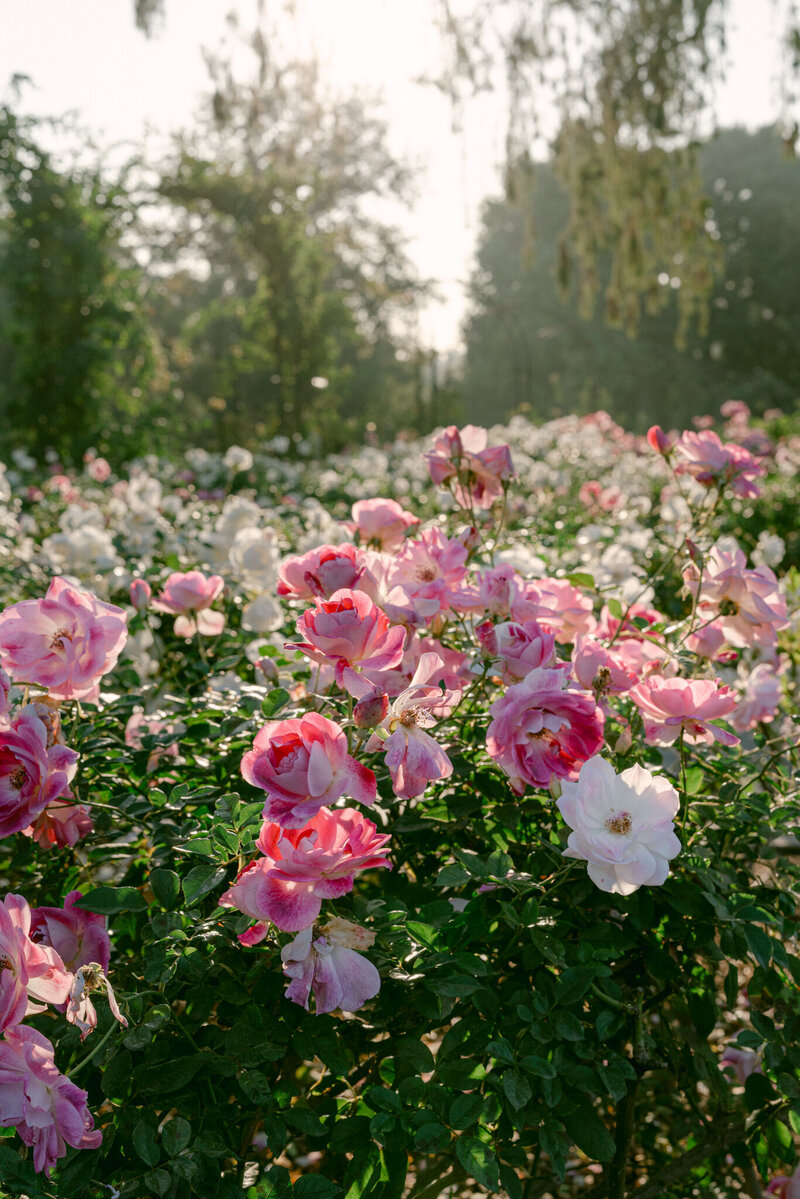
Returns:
(5,688)
(745,604)
(759,698)
(98,469)
(302,866)
(428,576)
(189,595)
(497,587)
(48,1111)
(61,824)
(622,825)
(413,757)
(31,975)
(303,765)
(65,642)
(542,730)
(476,472)
(349,631)
(382,524)
(636,622)
(32,774)
(711,461)
(671,705)
(740,1062)
(323,571)
(557,605)
(338,975)
(78,937)
(80,1008)
(600,668)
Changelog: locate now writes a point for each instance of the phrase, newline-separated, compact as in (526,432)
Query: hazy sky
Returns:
(86,55)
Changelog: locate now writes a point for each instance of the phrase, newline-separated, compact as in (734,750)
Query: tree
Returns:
(75,349)
(630,83)
(527,342)
(297,275)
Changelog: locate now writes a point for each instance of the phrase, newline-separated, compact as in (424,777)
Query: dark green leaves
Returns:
(108,901)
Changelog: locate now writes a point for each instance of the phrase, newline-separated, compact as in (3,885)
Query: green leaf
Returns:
(200,880)
(362,1172)
(166,886)
(479,1161)
(589,1133)
(452,876)
(314,1186)
(517,1089)
(579,579)
(144,1142)
(108,901)
(159,1181)
(794,1119)
(175,1135)
(425,934)
(465,1110)
(278,698)
(255,1086)
(14,1170)
(759,943)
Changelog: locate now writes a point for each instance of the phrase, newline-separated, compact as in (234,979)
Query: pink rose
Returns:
(669,705)
(327,965)
(382,524)
(192,592)
(745,604)
(28,972)
(31,774)
(61,823)
(65,642)
(710,460)
(303,765)
(346,631)
(759,699)
(78,937)
(542,730)
(303,866)
(522,648)
(557,605)
(323,571)
(140,594)
(413,757)
(48,1111)
(476,473)
(428,576)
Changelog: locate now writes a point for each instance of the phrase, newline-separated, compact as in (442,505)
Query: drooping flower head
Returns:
(65,642)
(303,764)
(329,965)
(48,1111)
(622,825)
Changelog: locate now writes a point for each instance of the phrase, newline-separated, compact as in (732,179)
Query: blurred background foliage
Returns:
(251,283)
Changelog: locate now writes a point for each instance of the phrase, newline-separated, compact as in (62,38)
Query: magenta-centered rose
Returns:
(347,631)
(32,774)
(543,730)
(65,642)
(303,764)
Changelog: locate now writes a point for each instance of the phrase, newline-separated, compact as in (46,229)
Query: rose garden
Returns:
(417,822)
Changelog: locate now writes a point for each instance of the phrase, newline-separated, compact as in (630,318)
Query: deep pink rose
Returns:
(349,630)
(323,571)
(190,595)
(28,972)
(78,937)
(303,866)
(61,823)
(65,642)
(542,730)
(303,764)
(669,705)
(32,774)
(48,1111)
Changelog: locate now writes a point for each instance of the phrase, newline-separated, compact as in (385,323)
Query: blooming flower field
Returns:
(421,822)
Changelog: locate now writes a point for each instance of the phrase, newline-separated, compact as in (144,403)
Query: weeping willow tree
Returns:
(622,91)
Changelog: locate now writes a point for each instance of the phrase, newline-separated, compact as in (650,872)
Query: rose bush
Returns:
(555,954)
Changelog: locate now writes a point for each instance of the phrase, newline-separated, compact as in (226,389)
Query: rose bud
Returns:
(371,710)
(140,593)
(487,638)
(658,440)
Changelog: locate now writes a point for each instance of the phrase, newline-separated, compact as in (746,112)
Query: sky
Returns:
(86,56)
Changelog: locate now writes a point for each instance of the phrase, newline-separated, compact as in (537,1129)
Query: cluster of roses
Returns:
(61,646)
